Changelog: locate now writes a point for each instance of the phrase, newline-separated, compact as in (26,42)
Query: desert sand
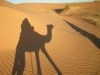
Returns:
(74,47)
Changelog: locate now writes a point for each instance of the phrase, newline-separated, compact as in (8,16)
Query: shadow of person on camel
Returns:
(31,41)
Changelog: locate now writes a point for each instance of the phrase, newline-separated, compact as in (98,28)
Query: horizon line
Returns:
(49,2)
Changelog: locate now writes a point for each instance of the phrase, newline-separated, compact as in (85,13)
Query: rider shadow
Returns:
(95,40)
(31,41)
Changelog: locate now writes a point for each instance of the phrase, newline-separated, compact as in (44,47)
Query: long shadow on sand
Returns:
(95,40)
(31,41)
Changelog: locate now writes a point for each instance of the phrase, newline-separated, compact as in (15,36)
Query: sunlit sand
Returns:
(73,48)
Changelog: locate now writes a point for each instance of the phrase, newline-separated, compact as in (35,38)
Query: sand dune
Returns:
(89,12)
(41,6)
(81,9)
(74,47)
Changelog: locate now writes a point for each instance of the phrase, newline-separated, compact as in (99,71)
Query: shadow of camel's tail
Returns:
(95,40)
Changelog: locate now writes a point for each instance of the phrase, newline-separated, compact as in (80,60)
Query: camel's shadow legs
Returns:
(38,63)
(50,60)
(19,63)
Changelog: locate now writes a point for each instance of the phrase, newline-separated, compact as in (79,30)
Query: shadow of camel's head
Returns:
(50,26)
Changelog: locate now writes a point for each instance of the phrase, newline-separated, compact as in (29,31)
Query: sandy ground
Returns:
(72,48)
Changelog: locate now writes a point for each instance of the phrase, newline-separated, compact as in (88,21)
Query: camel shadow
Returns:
(31,41)
(95,40)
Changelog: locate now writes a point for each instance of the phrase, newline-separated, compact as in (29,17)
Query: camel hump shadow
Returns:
(32,41)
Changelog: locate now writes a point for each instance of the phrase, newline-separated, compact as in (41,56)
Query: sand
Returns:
(70,48)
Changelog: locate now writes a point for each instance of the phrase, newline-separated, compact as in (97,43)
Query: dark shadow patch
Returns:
(95,40)
(58,10)
(32,41)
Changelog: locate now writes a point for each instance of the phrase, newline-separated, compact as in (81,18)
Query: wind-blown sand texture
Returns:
(74,47)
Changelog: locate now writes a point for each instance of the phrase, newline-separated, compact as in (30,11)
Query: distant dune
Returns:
(73,48)
(88,11)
